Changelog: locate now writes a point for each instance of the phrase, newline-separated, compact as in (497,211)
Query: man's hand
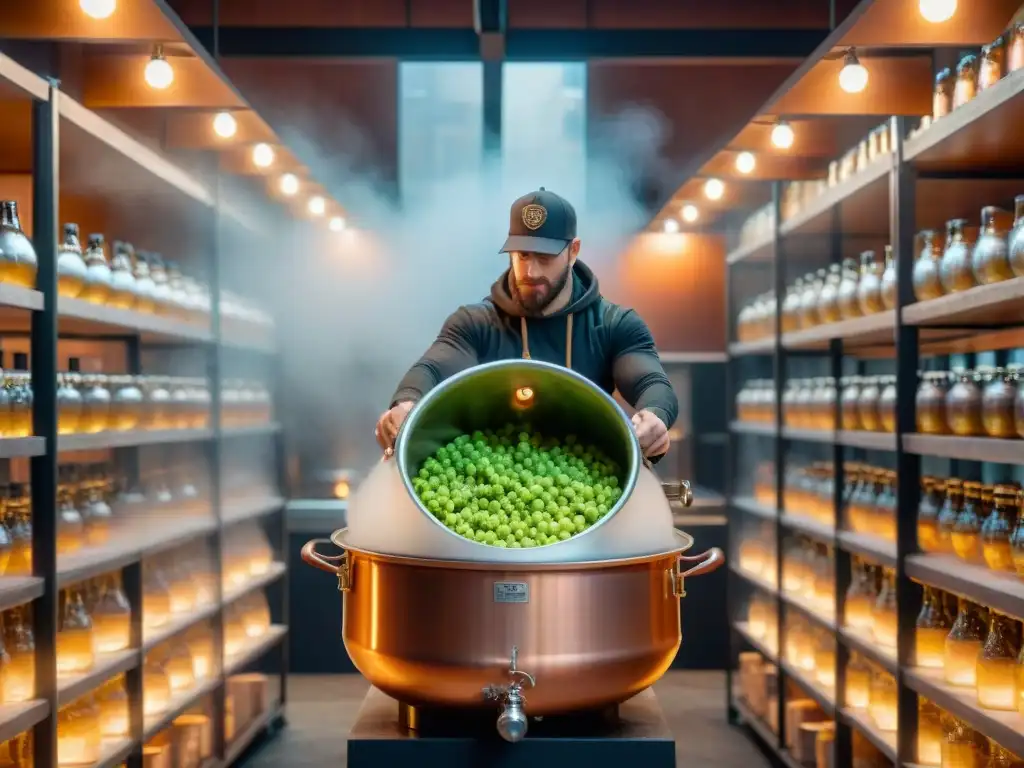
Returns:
(651,432)
(389,423)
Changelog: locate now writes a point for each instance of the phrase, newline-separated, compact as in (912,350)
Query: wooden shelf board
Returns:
(996,304)
(254,650)
(861,720)
(819,693)
(879,328)
(17,590)
(762,584)
(18,718)
(17,297)
(108,665)
(17,82)
(274,572)
(861,641)
(249,509)
(809,435)
(966,448)
(1005,728)
(251,430)
(759,250)
(808,526)
(753,507)
(85,317)
(870,441)
(982,134)
(826,621)
(752,428)
(114,752)
(759,347)
(20,447)
(854,193)
(179,705)
(131,438)
(758,645)
(874,549)
(1001,591)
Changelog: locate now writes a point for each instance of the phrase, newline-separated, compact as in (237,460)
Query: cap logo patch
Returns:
(534,216)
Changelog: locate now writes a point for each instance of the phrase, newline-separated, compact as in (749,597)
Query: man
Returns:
(547,306)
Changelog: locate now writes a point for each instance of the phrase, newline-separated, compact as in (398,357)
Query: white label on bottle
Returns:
(511,592)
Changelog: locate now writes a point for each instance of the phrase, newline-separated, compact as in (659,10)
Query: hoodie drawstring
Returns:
(568,340)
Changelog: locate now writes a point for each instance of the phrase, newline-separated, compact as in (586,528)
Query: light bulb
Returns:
(745,162)
(671,226)
(782,135)
(262,155)
(714,189)
(316,205)
(937,11)
(98,9)
(853,77)
(336,224)
(690,213)
(159,73)
(225,125)
(289,184)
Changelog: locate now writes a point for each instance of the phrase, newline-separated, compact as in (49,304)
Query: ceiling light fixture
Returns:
(853,77)
(262,155)
(336,224)
(782,135)
(690,213)
(316,205)
(937,11)
(98,9)
(714,189)
(671,226)
(289,184)
(745,162)
(159,73)
(225,125)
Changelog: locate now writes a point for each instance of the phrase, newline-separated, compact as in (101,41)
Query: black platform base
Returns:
(638,736)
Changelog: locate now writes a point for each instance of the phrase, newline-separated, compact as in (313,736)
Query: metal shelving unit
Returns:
(48,319)
(950,169)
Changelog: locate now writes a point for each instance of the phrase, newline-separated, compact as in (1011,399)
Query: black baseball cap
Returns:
(540,222)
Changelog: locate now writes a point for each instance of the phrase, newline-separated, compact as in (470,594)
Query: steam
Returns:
(365,304)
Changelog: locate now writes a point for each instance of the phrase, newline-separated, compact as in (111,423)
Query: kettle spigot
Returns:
(512,720)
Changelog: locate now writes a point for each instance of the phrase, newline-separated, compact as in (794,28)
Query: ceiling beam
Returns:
(520,44)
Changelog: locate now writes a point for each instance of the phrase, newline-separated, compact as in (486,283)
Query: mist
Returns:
(365,304)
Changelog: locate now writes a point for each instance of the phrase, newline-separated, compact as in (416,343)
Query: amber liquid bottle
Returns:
(997,664)
(967,528)
(998,527)
(931,630)
(963,644)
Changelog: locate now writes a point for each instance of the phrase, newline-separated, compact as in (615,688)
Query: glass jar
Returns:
(990,258)
(888,287)
(19,684)
(1015,240)
(69,404)
(823,399)
(858,683)
(95,404)
(926,273)
(126,403)
(884,614)
(70,523)
(828,298)
(122,278)
(76,649)
(744,324)
(17,255)
(869,287)
(144,284)
(942,95)
(79,740)
(860,598)
(809,299)
(70,264)
(930,631)
(1015,47)
(964,643)
(19,522)
(930,403)
(966,87)
(867,404)
(112,617)
(930,733)
(967,528)
(883,706)
(960,747)
(948,514)
(955,269)
(963,405)
(998,398)
(112,698)
(846,296)
(887,403)
(997,665)
(97,271)
(156,687)
(849,400)
(791,306)
(998,527)
(156,597)
(993,63)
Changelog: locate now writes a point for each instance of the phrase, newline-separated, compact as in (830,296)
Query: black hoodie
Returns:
(610,345)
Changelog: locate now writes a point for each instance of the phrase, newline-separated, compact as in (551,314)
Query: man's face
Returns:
(538,278)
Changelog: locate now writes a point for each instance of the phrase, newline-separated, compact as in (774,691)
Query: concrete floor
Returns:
(321,709)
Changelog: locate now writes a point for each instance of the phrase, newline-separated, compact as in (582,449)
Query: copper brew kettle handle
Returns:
(329,563)
(707,562)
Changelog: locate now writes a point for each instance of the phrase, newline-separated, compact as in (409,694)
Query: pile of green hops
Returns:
(515,488)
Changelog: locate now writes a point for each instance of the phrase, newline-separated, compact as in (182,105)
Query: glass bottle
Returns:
(997,665)
(79,740)
(127,403)
(869,287)
(888,285)
(967,528)
(20,681)
(96,401)
(963,405)
(69,401)
(156,597)
(809,299)
(76,651)
(1017,537)
(930,733)
(18,261)
(942,95)
(860,598)
(1015,240)
(112,617)
(955,268)
(70,264)
(998,399)
(6,546)
(884,614)
(70,523)
(931,630)
(846,295)
(122,278)
(993,62)
(6,382)
(156,686)
(883,705)
(144,285)
(97,271)
(1015,46)
(828,298)
(848,402)
(999,527)
(19,521)
(966,87)
(858,683)
(178,666)
(963,644)
(867,405)
(990,258)
(112,698)
(928,515)
(887,403)
(19,393)
(926,277)
(791,306)
(959,748)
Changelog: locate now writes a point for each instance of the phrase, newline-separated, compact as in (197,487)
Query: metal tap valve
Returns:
(512,721)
